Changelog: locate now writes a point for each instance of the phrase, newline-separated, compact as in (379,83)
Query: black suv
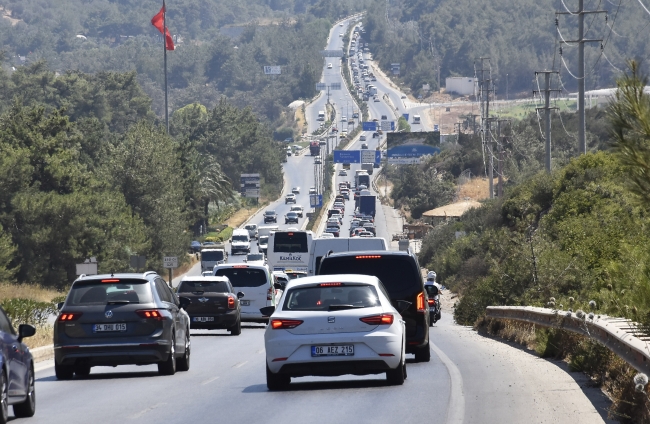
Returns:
(121,319)
(270,216)
(400,273)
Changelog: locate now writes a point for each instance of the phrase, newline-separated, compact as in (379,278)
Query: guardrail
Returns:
(619,335)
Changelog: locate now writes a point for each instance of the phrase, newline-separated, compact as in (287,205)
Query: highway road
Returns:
(470,379)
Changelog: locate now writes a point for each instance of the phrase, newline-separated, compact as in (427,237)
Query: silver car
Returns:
(121,319)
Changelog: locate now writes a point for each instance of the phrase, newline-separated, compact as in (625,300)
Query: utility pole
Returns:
(547,113)
(581,12)
(484,94)
(501,142)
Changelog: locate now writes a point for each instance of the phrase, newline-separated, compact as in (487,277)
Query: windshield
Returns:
(329,298)
(398,274)
(244,277)
(270,212)
(212,256)
(255,257)
(96,292)
(263,240)
(251,227)
(239,238)
(204,286)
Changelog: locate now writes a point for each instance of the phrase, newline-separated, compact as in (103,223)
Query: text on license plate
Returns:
(432,309)
(245,302)
(97,328)
(202,319)
(337,350)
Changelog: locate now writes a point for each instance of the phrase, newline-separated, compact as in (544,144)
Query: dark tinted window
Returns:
(204,286)
(243,277)
(290,242)
(162,291)
(322,298)
(240,238)
(397,273)
(102,292)
(263,240)
(212,256)
(5,324)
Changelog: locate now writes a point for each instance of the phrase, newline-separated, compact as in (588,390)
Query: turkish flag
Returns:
(158,22)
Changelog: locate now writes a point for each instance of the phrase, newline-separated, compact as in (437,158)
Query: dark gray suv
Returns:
(121,319)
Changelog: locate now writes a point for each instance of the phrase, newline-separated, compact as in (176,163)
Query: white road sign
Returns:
(385,125)
(170,262)
(367,156)
(321,86)
(272,70)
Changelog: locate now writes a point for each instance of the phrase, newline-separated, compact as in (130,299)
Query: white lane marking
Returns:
(239,364)
(210,380)
(144,411)
(456,406)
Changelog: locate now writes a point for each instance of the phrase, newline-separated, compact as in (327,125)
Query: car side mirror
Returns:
(184,301)
(402,305)
(25,330)
(278,286)
(240,295)
(267,311)
(59,305)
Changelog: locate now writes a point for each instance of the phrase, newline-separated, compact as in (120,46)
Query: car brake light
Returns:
(368,257)
(283,324)
(150,314)
(112,280)
(231,302)
(69,316)
(420,302)
(240,266)
(269,294)
(381,319)
(330,284)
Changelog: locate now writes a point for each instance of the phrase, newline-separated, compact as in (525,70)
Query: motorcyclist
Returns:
(433,290)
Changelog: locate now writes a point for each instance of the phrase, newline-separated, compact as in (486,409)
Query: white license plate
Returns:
(202,319)
(432,309)
(336,350)
(245,302)
(98,328)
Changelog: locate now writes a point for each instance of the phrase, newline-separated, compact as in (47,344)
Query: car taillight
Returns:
(150,314)
(283,324)
(231,302)
(432,302)
(69,316)
(420,302)
(381,319)
(269,294)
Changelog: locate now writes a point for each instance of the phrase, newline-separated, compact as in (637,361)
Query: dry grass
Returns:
(476,189)
(186,266)
(239,217)
(28,291)
(43,337)
(301,122)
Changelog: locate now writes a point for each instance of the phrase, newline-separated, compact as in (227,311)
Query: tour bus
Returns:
(321,115)
(289,250)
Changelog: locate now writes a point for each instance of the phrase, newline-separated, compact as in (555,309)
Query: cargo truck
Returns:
(367,205)
(362,178)
(314,148)
(367,167)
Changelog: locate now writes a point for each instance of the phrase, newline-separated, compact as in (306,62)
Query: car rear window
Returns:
(204,286)
(212,256)
(397,273)
(110,290)
(327,298)
(243,277)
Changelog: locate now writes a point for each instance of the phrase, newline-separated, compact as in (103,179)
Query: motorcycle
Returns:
(434,304)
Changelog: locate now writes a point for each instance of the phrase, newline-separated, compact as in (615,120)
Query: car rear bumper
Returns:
(334,368)
(113,353)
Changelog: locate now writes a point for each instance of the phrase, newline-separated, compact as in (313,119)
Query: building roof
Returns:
(452,210)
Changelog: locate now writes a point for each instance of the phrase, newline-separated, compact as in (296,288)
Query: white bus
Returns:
(321,115)
(289,250)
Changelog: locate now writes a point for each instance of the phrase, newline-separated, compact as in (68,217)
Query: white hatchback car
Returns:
(334,325)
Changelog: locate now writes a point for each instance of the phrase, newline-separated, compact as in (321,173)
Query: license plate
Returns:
(337,350)
(245,302)
(98,328)
(202,319)
(432,309)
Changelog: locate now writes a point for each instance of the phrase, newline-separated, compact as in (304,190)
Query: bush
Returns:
(27,311)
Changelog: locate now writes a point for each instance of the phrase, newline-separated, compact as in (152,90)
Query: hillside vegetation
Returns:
(518,37)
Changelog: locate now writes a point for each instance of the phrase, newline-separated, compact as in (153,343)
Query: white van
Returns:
(416,119)
(321,246)
(321,115)
(212,257)
(240,242)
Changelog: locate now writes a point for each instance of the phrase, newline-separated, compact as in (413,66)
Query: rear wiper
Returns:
(120,302)
(343,306)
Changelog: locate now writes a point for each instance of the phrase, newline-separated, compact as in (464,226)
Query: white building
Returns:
(465,86)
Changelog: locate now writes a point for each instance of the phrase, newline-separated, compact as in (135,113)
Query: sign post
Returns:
(170,262)
(272,70)
(138,262)
(250,185)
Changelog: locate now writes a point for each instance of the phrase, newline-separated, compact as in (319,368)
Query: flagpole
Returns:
(164,35)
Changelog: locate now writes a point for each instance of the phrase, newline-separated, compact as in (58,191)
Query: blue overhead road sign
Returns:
(347,156)
(369,126)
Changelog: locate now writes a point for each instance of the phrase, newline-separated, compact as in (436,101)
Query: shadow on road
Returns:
(321,385)
(106,376)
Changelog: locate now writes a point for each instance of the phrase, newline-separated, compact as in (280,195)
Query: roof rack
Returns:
(148,273)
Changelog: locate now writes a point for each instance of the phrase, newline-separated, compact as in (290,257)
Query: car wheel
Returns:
(82,371)
(168,367)
(183,363)
(27,408)
(4,402)
(63,372)
(235,330)
(397,376)
(276,381)
(423,354)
